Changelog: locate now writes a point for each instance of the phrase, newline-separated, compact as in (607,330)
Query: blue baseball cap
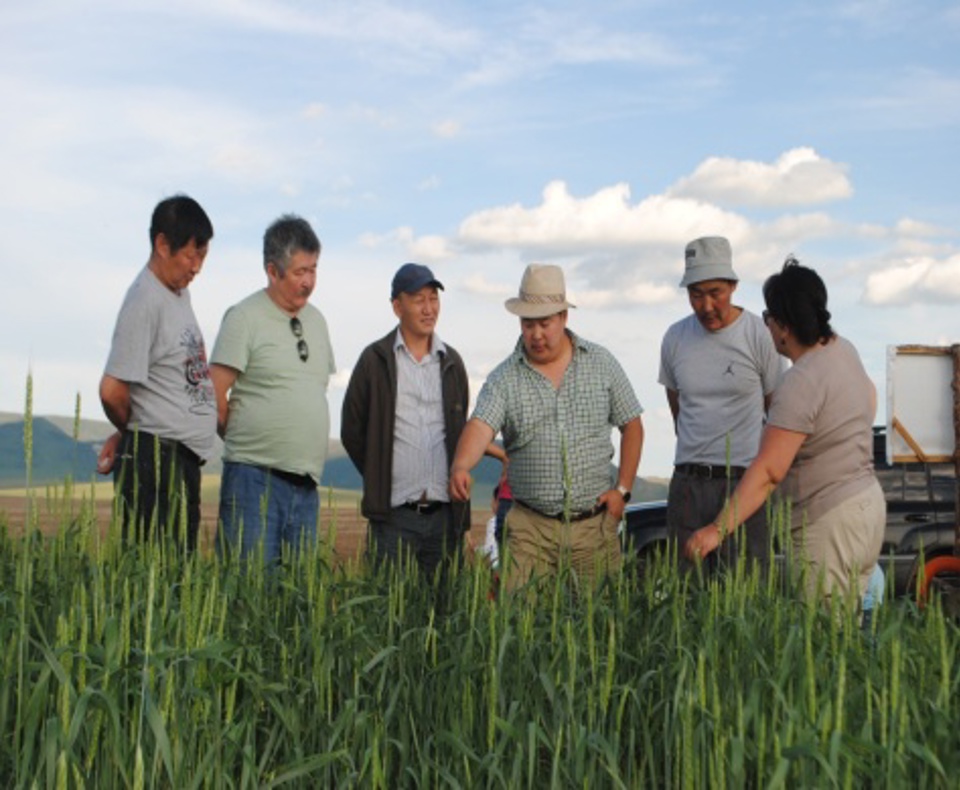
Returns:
(411,277)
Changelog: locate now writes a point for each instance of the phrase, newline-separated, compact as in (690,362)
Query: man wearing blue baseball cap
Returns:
(403,412)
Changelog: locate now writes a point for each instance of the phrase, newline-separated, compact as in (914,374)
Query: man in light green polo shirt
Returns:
(270,367)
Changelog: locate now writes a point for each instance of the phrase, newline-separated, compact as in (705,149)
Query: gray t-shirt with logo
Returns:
(158,350)
(721,378)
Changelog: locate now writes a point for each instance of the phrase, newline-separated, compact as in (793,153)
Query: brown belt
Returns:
(583,515)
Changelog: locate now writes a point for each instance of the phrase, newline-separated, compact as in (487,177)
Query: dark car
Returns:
(920,517)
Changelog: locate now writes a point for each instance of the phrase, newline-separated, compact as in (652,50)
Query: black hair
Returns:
(797,298)
(285,237)
(181,220)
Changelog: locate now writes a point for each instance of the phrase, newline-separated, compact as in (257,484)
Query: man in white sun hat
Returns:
(719,368)
(555,399)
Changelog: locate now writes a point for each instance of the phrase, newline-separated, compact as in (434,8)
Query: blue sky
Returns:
(476,138)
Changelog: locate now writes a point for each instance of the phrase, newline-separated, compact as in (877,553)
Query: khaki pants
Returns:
(843,545)
(538,546)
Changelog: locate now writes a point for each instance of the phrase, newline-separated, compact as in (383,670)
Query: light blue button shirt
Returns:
(420,469)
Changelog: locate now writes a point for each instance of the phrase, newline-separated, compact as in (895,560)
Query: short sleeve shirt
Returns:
(279,417)
(721,379)
(158,350)
(558,439)
(828,396)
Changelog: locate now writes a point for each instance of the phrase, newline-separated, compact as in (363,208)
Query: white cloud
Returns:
(371,115)
(917,99)
(798,177)
(543,41)
(565,225)
(915,280)
(429,183)
(394,30)
(241,160)
(912,227)
(480,285)
(447,129)
(641,293)
(314,110)
(428,248)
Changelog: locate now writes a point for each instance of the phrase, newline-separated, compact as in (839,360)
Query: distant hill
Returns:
(56,454)
(90,430)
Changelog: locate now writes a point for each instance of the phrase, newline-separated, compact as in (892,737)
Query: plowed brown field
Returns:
(348,527)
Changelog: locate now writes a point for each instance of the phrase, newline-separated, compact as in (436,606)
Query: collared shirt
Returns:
(558,439)
(419,454)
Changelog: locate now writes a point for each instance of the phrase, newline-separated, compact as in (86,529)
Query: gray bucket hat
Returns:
(542,292)
(708,258)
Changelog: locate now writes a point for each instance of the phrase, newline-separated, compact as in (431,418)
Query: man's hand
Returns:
(108,454)
(702,542)
(613,500)
(460,483)
(474,441)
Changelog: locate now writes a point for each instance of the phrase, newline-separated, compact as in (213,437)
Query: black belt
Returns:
(583,515)
(424,508)
(708,472)
(174,445)
(300,481)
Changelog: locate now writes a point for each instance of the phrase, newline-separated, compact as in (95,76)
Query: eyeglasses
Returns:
(302,348)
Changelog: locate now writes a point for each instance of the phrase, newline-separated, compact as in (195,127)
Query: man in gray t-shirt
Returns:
(156,387)
(719,368)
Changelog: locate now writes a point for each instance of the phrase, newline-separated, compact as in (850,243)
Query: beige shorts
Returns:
(841,548)
(539,546)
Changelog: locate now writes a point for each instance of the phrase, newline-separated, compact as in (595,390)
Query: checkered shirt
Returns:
(558,440)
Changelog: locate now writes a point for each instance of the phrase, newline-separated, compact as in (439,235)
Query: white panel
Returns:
(920,397)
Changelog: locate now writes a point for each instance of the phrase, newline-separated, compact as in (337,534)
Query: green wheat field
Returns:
(139,666)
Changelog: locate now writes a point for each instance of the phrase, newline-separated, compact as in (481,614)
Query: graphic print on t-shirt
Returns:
(196,371)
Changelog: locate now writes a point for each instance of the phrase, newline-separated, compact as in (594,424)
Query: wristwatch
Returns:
(624,492)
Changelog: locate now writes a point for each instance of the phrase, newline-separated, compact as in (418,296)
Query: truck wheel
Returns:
(941,575)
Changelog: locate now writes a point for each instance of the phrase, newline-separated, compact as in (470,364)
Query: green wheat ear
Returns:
(76,419)
(28,430)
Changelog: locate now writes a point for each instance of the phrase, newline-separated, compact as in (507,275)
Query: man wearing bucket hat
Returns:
(403,412)
(719,368)
(555,399)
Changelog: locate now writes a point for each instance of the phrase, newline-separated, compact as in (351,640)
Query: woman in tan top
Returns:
(817,445)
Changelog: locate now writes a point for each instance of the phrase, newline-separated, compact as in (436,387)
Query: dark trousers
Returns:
(429,539)
(694,502)
(156,483)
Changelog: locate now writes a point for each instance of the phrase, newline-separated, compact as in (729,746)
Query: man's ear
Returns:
(161,246)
